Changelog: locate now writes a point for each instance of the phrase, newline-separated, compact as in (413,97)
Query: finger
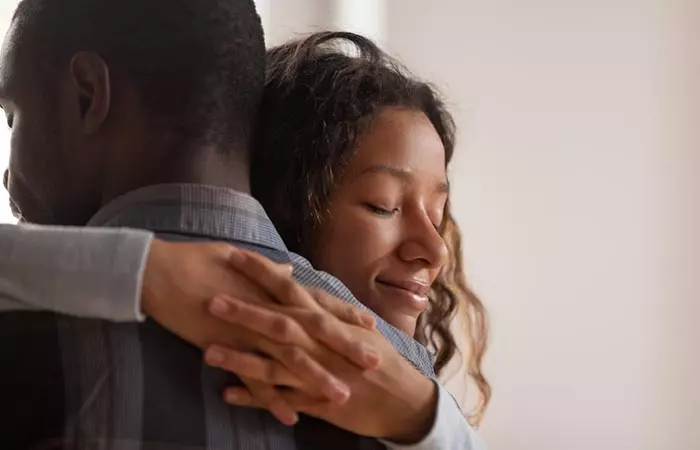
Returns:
(268,397)
(251,366)
(239,396)
(344,311)
(273,277)
(242,397)
(303,403)
(238,283)
(317,380)
(283,329)
(262,381)
(344,339)
(272,324)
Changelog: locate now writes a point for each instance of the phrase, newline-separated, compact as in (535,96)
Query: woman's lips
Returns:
(410,291)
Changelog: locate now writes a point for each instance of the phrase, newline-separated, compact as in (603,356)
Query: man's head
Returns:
(104,96)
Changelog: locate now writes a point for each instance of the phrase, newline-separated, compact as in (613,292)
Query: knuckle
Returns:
(357,349)
(351,314)
(318,292)
(260,262)
(288,287)
(282,328)
(294,356)
(318,295)
(320,323)
(222,247)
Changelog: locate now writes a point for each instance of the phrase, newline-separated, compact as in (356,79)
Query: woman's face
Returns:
(381,234)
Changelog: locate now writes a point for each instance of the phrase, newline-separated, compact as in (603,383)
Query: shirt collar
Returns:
(193,209)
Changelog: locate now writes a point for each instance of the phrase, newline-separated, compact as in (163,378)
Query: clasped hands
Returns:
(296,350)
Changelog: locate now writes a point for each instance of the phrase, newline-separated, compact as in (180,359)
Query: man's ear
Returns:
(90,76)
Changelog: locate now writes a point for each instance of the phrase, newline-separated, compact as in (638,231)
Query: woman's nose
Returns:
(424,244)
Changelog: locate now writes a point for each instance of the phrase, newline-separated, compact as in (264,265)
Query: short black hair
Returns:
(198,65)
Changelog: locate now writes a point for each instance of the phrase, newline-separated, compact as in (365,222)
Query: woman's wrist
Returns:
(416,415)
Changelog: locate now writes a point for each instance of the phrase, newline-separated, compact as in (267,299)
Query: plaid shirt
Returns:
(89,384)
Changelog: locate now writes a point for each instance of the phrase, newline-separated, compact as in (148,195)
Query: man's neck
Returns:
(211,168)
(205,166)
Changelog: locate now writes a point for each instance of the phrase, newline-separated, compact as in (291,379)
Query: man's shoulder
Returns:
(307,275)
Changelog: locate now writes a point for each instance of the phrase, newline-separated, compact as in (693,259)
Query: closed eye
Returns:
(381,211)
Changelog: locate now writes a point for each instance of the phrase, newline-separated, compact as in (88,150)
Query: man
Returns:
(106,99)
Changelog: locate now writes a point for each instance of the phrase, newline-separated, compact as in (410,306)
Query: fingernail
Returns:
(367,321)
(214,356)
(338,391)
(232,396)
(287,268)
(288,419)
(371,357)
(218,306)
(293,419)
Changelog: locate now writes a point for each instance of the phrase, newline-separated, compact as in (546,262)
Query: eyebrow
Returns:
(404,175)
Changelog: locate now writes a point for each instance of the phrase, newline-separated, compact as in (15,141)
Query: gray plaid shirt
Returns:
(84,384)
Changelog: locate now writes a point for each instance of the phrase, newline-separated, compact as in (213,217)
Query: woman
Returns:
(360,150)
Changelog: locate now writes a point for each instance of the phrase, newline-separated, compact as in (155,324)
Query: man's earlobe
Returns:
(90,75)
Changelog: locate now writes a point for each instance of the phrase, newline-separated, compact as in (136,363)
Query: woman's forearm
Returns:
(450,430)
(85,272)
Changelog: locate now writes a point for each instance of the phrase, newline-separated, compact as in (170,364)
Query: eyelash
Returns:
(381,211)
(388,213)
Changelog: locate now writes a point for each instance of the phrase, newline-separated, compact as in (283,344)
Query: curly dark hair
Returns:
(318,101)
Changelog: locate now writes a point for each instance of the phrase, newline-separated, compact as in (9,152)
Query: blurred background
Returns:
(576,185)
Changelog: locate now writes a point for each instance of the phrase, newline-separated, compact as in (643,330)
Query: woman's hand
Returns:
(393,402)
(181,278)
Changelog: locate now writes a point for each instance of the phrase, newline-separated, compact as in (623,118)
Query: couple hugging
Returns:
(170,116)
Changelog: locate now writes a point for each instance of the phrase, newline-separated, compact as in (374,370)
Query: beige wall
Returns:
(284,19)
(686,249)
(577,189)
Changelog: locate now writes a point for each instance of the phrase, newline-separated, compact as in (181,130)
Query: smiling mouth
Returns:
(414,287)
(410,292)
